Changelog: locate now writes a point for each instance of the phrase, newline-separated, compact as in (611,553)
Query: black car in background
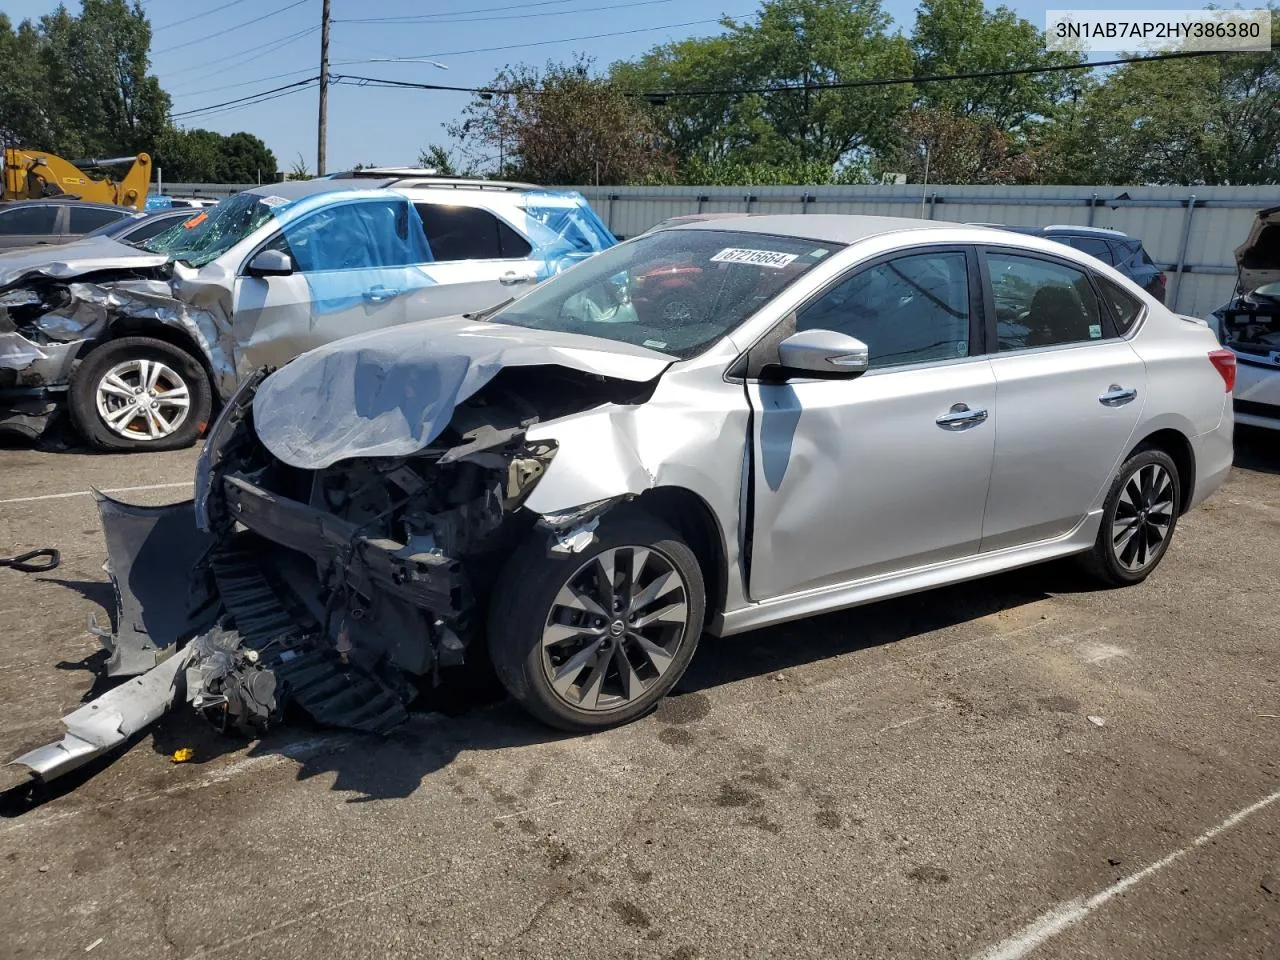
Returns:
(1112,247)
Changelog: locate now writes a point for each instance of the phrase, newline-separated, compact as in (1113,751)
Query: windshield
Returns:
(212,232)
(115,227)
(677,291)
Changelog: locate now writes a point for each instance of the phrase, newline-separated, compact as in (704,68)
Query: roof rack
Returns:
(1103,231)
(464,183)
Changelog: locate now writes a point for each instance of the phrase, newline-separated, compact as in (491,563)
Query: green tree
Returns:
(100,96)
(203,156)
(442,161)
(560,126)
(1202,120)
(939,145)
(962,36)
(792,43)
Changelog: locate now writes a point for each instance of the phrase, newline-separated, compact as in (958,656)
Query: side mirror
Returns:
(270,263)
(824,354)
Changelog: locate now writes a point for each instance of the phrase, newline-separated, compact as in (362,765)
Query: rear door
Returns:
(33,224)
(82,220)
(1069,392)
(478,260)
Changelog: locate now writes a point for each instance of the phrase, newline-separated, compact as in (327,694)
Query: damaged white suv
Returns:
(721,426)
(142,343)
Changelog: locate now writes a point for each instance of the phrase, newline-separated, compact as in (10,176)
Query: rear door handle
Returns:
(379,294)
(961,418)
(1117,396)
(507,279)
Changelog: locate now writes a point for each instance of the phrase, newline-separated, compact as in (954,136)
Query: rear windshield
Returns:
(677,291)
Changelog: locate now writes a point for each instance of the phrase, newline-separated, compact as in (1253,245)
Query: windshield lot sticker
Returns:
(273,201)
(195,221)
(761,258)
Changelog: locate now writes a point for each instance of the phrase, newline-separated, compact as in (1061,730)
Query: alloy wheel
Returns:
(1143,518)
(142,399)
(614,628)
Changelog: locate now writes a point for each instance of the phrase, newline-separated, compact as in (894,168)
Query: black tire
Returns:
(89,375)
(523,602)
(1102,562)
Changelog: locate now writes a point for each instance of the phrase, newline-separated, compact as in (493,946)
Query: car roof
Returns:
(64,201)
(297,189)
(823,227)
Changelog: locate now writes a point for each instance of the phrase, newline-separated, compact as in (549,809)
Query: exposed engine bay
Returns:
(342,590)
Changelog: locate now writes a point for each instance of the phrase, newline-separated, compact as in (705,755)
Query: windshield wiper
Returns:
(486,314)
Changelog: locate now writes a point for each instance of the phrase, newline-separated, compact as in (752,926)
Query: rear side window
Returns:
(910,309)
(149,227)
(1042,303)
(1093,247)
(467,233)
(37,220)
(86,219)
(1125,308)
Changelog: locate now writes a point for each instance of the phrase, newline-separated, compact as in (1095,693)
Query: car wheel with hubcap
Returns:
(597,638)
(1138,519)
(137,393)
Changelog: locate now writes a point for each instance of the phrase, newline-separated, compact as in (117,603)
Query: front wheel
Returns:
(595,639)
(1138,520)
(139,393)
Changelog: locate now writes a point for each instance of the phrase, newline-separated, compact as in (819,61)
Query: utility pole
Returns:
(323,131)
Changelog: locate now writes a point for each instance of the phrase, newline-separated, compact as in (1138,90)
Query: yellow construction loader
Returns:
(33,175)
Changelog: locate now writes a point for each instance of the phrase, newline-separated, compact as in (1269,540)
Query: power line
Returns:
(207,13)
(244,100)
(362,81)
(544,43)
(449,13)
(209,36)
(249,53)
(437,18)
(934,78)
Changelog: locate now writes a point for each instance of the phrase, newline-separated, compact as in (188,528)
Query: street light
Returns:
(434,63)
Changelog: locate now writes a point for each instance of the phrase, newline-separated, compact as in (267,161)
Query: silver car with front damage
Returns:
(843,409)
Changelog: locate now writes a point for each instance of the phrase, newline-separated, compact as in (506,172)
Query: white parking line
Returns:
(1050,924)
(86,493)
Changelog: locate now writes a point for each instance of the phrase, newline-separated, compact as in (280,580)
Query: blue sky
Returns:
(205,52)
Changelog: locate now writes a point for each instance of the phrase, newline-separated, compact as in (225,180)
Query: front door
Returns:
(858,478)
(1070,393)
(358,266)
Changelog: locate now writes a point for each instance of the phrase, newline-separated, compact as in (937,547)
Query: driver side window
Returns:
(368,234)
(910,309)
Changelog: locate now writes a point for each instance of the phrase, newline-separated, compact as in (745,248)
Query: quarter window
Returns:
(35,220)
(468,233)
(1040,303)
(1125,307)
(910,309)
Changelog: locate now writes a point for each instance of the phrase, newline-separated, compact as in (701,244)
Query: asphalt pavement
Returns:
(1021,766)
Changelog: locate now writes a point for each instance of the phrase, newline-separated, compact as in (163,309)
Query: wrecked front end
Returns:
(343,590)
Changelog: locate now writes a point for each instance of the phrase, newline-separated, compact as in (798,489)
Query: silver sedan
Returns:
(715,427)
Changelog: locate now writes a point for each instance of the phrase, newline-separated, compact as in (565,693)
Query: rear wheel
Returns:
(138,393)
(594,639)
(1138,520)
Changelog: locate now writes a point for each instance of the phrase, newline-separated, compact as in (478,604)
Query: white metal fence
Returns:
(1189,231)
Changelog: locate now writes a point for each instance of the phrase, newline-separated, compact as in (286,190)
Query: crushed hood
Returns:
(1258,258)
(391,392)
(75,259)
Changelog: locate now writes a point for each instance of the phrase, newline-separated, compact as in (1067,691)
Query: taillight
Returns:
(1224,361)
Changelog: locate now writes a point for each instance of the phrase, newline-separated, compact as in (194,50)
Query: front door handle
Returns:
(1117,396)
(961,418)
(507,279)
(379,294)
